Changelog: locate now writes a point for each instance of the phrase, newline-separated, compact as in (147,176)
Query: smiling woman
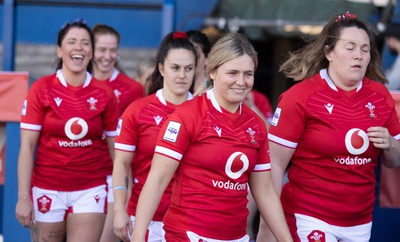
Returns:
(126,90)
(210,185)
(66,115)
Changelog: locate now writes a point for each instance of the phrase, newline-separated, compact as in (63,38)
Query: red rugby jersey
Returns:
(138,130)
(217,151)
(126,90)
(72,122)
(332,176)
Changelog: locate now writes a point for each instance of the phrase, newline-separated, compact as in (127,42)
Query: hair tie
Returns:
(346,16)
(75,21)
(179,35)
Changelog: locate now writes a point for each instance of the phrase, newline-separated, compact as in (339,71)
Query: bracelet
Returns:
(120,188)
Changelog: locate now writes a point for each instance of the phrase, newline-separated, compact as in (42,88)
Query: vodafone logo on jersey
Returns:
(75,129)
(356,141)
(236,165)
(236,160)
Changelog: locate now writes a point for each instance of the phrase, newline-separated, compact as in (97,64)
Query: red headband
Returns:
(179,34)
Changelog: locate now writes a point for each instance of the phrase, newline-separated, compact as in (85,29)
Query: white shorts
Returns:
(53,206)
(110,193)
(193,237)
(155,231)
(310,229)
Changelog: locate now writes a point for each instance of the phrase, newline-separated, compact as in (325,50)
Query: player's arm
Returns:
(161,172)
(269,205)
(391,155)
(24,209)
(280,157)
(120,178)
(110,144)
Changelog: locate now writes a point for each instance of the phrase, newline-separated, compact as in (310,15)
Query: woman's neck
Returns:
(225,104)
(174,99)
(341,84)
(74,79)
(102,76)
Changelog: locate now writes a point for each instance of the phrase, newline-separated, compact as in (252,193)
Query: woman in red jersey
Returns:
(139,127)
(62,193)
(333,126)
(106,69)
(203,46)
(214,147)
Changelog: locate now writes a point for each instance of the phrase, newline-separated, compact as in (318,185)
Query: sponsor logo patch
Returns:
(119,126)
(172,131)
(275,118)
(23,112)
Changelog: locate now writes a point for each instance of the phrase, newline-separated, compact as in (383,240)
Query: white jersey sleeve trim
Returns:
(124,147)
(262,167)
(397,137)
(168,152)
(110,133)
(283,142)
(31,126)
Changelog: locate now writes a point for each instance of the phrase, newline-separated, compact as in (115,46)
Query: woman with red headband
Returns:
(333,126)
(139,127)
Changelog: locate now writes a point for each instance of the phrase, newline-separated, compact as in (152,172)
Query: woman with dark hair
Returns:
(203,47)
(62,194)
(333,127)
(139,127)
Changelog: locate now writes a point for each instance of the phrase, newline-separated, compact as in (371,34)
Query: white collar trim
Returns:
(211,97)
(63,82)
(324,74)
(161,98)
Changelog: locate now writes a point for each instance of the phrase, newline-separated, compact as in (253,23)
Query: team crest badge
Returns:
(371,108)
(92,102)
(316,236)
(117,94)
(44,204)
(251,134)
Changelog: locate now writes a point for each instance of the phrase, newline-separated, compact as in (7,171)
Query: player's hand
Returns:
(122,226)
(380,137)
(24,212)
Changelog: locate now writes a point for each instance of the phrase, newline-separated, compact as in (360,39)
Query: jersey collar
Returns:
(63,82)
(114,75)
(324,74)
(161,98)
(211,97)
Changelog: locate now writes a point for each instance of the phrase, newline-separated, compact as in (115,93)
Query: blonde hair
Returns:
(227,48)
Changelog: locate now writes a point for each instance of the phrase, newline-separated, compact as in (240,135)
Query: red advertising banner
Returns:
(13,89)
(389,196)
